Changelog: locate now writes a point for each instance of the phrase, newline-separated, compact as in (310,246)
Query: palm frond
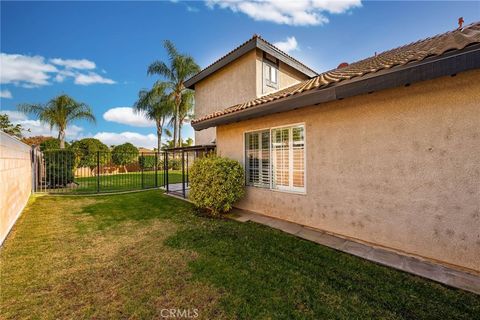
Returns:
(34,109)
(171,50)
(160,68)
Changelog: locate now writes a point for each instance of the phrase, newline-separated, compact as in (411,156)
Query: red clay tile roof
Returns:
(416,51)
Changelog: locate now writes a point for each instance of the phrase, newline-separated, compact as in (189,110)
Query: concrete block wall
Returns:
(15,181)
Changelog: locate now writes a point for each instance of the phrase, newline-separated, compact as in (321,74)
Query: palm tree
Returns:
(59,113)
(156,105)
(180,68)
(185,112)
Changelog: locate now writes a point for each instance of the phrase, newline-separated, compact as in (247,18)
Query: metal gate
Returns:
(179,161)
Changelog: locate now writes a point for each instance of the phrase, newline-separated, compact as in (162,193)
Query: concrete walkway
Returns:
(418,266)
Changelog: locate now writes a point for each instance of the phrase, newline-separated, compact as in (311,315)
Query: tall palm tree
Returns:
(185,112)
(59,113)
(180,68)
(156,105)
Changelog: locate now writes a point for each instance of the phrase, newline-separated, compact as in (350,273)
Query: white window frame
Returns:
(267,81)
(295,190)
(260,173)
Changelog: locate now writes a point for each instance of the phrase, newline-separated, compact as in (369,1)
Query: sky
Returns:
(98,52)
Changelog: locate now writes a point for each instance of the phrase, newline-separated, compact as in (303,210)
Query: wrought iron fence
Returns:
(66,172)
(63,171)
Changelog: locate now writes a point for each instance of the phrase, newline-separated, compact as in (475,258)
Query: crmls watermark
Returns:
(179,313)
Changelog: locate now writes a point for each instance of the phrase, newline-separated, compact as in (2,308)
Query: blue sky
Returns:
(98,52)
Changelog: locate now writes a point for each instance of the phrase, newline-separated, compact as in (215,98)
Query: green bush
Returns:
(175,164)
(52,144)
(88,150)
(59,167)
(124,154)
(216,183)
(147,162)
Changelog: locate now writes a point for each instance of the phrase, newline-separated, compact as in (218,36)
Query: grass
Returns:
(132,255)
(121,182)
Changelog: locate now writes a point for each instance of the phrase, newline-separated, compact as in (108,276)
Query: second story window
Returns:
(270,73)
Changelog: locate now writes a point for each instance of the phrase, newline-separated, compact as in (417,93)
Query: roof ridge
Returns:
(286,54)
(254,37)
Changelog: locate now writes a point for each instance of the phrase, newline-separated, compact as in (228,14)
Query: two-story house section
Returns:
(252,70)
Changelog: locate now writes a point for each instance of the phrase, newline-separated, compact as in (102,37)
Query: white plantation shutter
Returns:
(288,158)
(281,158)
(276,159)
(257,158)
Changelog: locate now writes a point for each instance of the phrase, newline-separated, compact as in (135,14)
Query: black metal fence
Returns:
(66,172)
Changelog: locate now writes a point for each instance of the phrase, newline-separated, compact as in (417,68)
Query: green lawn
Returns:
(133,255)
(121,182)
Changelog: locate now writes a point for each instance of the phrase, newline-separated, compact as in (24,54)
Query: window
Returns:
(288,158)
(276,158)
(270,75)
(257,158)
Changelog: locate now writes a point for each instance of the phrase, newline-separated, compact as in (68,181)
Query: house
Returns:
(385,150)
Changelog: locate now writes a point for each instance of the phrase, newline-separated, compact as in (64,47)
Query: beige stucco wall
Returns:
(15,181)
(398,168)
(233,84)
(238,82)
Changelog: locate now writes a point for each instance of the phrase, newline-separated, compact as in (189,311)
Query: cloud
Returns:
(126,115)
(6,94)
(290,44)
(35,71)
(38,128)
(135,138)
(74,64)
(295,13)
(91,78)
(25,70)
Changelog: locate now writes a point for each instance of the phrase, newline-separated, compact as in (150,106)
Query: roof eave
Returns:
(430,68)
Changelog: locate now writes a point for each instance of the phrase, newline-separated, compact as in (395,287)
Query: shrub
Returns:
(59,167)
(124,154)
(52,144)
(146,161)
(175,164)
(216,183)
(86,151)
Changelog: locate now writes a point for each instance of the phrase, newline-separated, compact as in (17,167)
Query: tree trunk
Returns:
(180,133)
(176,133)
(175,130)
(159,135)
(61,138)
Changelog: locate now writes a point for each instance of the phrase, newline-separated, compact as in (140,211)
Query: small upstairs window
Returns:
(270,73)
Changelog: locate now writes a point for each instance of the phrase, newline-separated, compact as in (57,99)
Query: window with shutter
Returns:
(276,158)
(257,158)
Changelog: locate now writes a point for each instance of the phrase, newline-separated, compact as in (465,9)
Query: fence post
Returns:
(141,168)
(183,173)
(34,170)
(98,171)
(187,168)
(156,169)
(166,171)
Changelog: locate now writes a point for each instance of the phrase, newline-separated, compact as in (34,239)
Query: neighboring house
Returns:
(144,150)
(385,150)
